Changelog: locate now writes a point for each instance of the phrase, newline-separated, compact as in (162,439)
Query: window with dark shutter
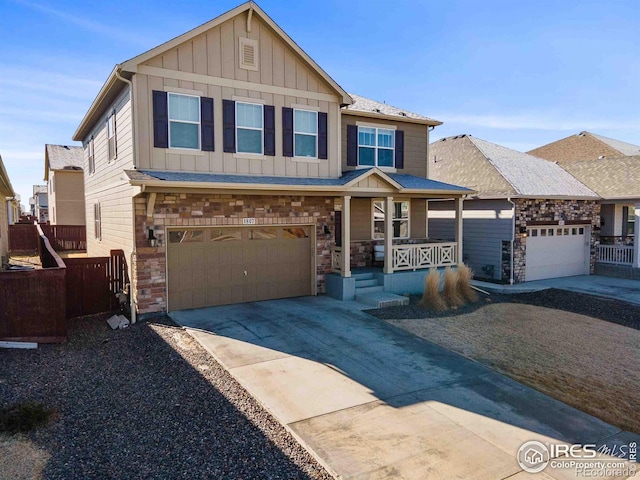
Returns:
(207,124)
(160,120)
(322,136)
(229,126)
(352,145)
(287,132)
(269,113)
(399,149)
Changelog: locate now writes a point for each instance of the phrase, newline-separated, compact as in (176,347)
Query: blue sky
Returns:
(518,73)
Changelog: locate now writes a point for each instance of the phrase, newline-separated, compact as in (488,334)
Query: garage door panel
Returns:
(550,255)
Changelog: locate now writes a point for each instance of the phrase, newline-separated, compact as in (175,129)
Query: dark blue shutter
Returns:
(322,135)
(269,130)
(206,124)
(399,149)
(160,120)
(287,132)
(229,126)
(352,145)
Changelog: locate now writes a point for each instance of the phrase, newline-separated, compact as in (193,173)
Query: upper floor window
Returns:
(52,184)
(249,128)
(91,156)
(305,132)
(376,147)
(112,146)
(400,219)
(184,121)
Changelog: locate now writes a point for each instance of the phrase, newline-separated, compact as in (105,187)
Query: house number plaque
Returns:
(248,221)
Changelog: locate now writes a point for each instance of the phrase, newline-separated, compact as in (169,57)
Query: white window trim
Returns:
(261,130)
(97,221)
(190,149)
(298,157)
(112,115)
(91,156)
(373,224)
(376,148)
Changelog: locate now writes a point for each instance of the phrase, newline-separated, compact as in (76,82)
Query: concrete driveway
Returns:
(372,401)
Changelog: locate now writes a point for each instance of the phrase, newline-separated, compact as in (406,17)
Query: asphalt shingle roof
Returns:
(63,157)
(521,174)
(609,177)
(405,180)
(623,147)
(363,104)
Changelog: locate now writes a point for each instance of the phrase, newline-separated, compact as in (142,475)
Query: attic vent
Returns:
(403,114)
(377,110)
(248,54)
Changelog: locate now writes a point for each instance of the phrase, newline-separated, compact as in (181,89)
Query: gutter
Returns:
(513,237)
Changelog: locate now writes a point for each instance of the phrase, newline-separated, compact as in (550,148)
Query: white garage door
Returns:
(554,251)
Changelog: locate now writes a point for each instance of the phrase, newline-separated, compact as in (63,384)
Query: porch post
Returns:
(636,236)
(388,235)
(345,266)
(459,218)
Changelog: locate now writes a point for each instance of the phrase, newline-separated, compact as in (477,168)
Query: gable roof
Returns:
(62,157)
(584,146)
(129,67)
(6,188)
(611,178)
(39,189)
(498,172)
(371,108)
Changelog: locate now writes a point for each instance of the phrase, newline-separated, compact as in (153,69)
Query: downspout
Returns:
(132,303)
(513,236)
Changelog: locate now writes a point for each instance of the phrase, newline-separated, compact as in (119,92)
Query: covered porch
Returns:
(619,231)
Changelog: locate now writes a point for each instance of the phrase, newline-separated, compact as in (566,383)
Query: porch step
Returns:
(362,276)
(377,288)
(381,299)
(366,283)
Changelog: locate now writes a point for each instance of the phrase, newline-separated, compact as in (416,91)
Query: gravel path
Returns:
(614,311)
(147,402)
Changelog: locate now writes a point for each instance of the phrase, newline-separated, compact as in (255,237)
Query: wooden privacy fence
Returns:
(93,283)
(24,238)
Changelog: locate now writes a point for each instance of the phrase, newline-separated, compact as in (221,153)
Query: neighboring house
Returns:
(617,181)
(65,179)
(14,209)
(40,203)
(6,196)
(584,146)
(530,219)
(230,167)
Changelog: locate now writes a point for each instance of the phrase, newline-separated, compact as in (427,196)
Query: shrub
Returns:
(431,298)
(451,294)
(24,417)
(465,275)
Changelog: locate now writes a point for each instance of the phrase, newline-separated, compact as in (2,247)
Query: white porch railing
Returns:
(616,254)
(336,259)
(424,255)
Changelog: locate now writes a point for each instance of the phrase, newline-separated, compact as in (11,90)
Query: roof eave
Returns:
(97,107)
(394,118)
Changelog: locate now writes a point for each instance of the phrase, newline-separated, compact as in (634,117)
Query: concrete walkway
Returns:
(617,288)
(371,401)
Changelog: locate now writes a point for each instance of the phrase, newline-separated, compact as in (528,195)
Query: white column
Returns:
(345,267)
(388,235)
(459,219)
(636,236)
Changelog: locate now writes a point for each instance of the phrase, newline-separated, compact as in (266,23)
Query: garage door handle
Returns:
(245,273)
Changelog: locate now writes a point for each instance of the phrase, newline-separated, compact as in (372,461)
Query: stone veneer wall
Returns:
(551,212)
(195,210)
(362,250)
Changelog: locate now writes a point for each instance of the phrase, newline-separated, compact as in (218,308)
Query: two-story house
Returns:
(40,203)
(65,180)
(231,167)
(6,196)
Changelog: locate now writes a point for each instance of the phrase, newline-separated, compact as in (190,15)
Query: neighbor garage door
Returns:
(224,265)
(554,251)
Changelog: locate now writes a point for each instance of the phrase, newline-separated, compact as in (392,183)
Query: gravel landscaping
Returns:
(574,347)
(145,402)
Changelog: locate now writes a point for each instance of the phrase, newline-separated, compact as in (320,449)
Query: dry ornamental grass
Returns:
(431,298)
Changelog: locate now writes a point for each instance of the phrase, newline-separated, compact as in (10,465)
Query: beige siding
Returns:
(66,199)
(361,214)
(415,143)
(209,66)
(108,185)
(418,218)
(4,227)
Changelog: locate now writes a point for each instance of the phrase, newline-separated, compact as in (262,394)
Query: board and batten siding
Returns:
(486,224)
(416,143)
(109,185)
(66,200)
(197,66)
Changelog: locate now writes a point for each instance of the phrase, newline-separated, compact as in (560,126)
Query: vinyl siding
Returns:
(67,198)
(195,65)
(108,186)
(486,224)
(416,143)
(361,213)
(4,227)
